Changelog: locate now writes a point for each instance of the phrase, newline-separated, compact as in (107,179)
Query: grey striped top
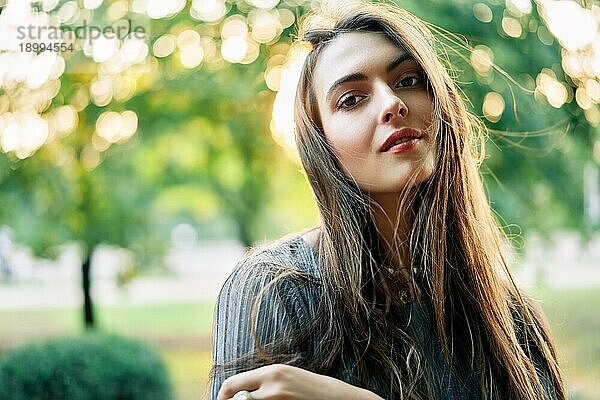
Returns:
(290,305)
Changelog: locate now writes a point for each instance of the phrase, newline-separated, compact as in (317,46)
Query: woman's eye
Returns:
(409,81)
(350,101)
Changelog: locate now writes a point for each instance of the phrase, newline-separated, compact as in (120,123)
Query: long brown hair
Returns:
(454,242)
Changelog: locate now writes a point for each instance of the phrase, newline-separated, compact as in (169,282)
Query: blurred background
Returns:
(136,168)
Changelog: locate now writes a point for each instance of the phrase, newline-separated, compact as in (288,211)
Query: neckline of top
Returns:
(308,249)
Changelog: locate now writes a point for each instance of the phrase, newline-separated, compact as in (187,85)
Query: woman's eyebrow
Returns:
(348,78)
(404,57)
(362,77)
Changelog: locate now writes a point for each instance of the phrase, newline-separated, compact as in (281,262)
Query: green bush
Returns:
(89,367)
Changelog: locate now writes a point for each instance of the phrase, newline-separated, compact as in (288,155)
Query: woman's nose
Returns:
(392,106)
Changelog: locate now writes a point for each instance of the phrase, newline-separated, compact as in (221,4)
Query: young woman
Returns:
(403,291)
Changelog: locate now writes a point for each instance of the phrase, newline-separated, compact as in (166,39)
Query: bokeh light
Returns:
(22,133)
(49,5)
(493,106)
(555,92)
(116,127)
(68,12)
(234,25)
(101,91)
(483,12)
(592,87)
(267,4)
(139,6)
(577,29)
(273,77)
(512,27)
(252,52)
(286,17)
(234,48)
(282,122)
(191,56)
(482,59)
(208,10)
(583,99)
(265,25)
(90,157)
(92,4)
(64,119)
(117,10)
(184,236)
(124,87)
(191,51)
(574,26)
(188,38)
(104,47)
(164,45)
(519,7)
(133,50)
(156,9)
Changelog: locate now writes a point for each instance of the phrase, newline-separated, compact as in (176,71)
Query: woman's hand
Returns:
(280,381)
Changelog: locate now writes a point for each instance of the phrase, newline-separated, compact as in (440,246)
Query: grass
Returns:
(574,317)
(189,319)
(188,369)
(153,322)
(182,334)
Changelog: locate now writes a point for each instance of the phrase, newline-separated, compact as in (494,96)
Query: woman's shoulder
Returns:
(281,275)
(294,251)
(289,260)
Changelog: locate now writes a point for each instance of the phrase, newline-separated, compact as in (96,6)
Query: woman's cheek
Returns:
(346,138)
(425,107)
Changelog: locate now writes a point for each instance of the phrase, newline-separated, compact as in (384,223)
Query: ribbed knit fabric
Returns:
(288,305)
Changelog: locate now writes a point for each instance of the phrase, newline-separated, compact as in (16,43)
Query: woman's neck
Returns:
(393,221)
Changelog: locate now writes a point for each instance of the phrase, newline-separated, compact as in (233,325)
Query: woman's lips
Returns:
(404,146)
(399,138)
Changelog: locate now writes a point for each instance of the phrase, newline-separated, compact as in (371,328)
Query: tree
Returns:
(540,141)
(105,186)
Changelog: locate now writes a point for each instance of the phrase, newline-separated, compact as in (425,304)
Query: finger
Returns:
(249,380)
(264,392)
(254,396)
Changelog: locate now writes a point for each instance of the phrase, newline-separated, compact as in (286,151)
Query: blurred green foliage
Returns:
(203,152)
(536,152)
(90,367)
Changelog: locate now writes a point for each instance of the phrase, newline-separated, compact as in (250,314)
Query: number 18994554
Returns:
(41,47)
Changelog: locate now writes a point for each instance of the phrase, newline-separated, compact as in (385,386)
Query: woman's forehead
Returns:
(352,53)
(358,47)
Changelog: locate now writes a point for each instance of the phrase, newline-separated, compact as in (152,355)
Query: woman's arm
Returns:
(282,308)
(285,306)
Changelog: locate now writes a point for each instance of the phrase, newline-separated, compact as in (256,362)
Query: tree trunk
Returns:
(244,234)
(88,307)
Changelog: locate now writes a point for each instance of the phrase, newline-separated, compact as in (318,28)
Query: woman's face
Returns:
(369,91)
